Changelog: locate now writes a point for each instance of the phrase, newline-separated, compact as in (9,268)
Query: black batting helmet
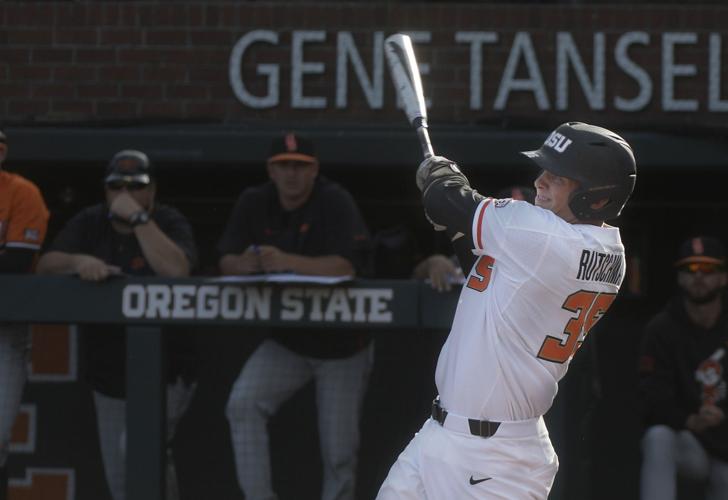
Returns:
(598,159)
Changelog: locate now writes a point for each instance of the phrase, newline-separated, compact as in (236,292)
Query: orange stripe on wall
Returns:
(20,433)
(51,350)
(43,486)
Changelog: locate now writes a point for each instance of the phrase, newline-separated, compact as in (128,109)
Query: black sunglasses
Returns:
(129,185)
(702,267)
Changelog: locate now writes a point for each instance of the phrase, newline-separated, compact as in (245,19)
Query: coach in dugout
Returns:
(23,224)
(298,222)
(129,234)
(683,375)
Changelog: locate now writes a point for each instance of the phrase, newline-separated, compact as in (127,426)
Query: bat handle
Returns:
(420,125)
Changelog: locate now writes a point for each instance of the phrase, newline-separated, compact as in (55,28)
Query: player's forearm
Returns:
(58,263)
(448,199)
(451,203)
(329,265)
(163,255)
(229,264)
(423,269)
(247,262)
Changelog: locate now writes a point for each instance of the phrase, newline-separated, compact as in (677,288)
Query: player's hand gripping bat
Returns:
(407,81)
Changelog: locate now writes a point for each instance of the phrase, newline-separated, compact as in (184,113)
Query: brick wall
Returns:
(145,61)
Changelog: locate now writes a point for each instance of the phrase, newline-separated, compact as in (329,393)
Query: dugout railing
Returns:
(146,304)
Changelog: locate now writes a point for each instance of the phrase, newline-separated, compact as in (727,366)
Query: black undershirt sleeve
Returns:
(463,248)
(450,201)
(16,260)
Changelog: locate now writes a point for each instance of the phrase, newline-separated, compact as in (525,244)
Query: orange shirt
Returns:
(23,213)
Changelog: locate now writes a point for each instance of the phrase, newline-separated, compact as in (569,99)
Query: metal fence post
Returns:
(145,414)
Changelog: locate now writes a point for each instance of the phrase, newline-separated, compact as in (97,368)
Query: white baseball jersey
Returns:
(539,284)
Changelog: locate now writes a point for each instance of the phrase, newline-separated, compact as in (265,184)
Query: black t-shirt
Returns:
(329,223)
(104,346)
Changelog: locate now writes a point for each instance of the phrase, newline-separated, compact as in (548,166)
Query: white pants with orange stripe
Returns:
(14,351)
(442,464)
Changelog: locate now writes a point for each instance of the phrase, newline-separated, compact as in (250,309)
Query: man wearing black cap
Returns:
(23,224)
(129,234)
(298,222)
(684,369)
(537,278)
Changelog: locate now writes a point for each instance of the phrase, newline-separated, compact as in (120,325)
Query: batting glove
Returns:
(433,167)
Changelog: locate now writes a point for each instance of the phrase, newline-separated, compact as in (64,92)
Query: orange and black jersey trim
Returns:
(23,213)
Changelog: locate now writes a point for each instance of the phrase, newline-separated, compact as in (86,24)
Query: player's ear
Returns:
(3,151)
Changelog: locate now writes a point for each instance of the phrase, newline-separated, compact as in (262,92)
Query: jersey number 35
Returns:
(588,306)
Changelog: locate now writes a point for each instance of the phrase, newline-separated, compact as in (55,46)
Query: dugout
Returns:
(202,86)
(203,167)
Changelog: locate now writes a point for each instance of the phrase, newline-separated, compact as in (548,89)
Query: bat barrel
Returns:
(406,77)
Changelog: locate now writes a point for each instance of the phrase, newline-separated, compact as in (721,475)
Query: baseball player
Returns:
(23,224)
(537,279)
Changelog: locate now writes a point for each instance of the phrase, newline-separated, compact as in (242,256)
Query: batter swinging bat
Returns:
(406,78)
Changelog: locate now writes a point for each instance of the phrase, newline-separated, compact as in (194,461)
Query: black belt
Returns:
(482,428)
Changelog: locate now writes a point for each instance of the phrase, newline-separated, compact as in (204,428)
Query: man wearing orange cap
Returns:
(683,371)
(298,222)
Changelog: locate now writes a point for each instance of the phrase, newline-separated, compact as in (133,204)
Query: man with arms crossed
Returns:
(537,279)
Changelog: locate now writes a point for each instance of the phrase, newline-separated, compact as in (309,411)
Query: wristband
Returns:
(138,218)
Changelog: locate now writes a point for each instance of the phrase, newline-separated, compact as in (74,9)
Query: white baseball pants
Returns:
(517,463)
